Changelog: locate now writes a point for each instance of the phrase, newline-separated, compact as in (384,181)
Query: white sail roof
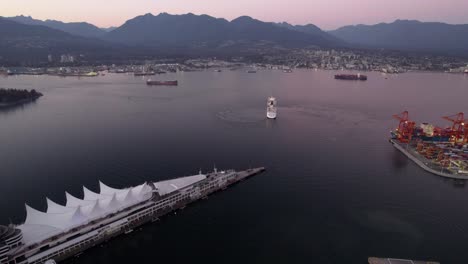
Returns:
(109,190)
(72,201)
(76,212)
(55,208)
(110,204)
(59,221)
(90,195)
(78,218)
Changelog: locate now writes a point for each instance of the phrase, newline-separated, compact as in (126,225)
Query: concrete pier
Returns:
(373,260)
(424,163)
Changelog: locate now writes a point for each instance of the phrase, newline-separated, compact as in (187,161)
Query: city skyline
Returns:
(328,15)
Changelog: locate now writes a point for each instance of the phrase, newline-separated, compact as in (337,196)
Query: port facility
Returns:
(66,230)
(441,151)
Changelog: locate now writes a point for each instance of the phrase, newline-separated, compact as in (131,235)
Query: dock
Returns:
(426,164)
(373,260)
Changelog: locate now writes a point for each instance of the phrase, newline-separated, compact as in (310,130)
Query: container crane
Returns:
(405,129)
(458,129)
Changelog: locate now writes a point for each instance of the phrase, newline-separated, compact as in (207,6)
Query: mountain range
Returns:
(408,35)
(82,29)
(192,31)
(24,36)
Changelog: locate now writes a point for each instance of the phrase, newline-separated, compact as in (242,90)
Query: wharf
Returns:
(426,164)
(373,260)
(148,202)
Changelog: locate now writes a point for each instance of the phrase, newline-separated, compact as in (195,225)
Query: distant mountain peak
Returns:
(83,29)
(243,19)
(407,21)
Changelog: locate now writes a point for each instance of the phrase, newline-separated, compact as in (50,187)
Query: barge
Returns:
(66,230)
(162,83)
(351,77)
(144,73)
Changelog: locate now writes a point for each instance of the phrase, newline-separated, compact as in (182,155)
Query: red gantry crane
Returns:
(465,133)
(458,132)
(405,128)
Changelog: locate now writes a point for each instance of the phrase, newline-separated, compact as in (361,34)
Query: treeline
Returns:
(14,95)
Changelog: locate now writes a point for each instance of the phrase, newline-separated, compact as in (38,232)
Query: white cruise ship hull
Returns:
(271,115)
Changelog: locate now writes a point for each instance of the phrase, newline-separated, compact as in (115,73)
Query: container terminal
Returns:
(441,151)
(64,231)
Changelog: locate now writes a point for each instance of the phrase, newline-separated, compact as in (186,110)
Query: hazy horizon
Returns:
(326,14)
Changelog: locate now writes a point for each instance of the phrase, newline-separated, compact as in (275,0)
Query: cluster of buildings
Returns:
(359,60)
(64,58)
(366,60)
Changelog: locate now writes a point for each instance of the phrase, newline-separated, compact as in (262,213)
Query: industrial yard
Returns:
(442,151)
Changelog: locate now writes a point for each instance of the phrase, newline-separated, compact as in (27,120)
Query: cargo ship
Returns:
(441,151)
(64,231)
(166,83)
(352,77)
(143,73)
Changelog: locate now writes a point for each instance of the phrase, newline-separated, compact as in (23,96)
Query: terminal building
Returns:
(66,230)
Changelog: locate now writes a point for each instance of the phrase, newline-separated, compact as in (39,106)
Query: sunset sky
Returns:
(327,14)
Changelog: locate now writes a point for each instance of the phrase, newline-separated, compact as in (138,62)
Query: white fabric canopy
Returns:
(59,221)
(58,218)
(39,226)
(72,201)
(55,208)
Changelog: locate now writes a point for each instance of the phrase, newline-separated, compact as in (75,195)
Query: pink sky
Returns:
(327,14)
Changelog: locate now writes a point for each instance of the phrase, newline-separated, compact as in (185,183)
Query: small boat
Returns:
(218,70)
(271,108)
(252,71)
(163,83)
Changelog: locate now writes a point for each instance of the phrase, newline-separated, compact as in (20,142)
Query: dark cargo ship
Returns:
(166,83)
(352,77)
(143,73)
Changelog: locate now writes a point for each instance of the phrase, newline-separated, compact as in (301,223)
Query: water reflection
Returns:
(17,107)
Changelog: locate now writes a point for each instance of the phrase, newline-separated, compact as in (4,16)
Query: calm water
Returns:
(335,191)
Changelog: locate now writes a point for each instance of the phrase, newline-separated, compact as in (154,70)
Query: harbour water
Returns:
(335,190)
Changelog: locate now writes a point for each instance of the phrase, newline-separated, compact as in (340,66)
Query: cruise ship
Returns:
(64,231)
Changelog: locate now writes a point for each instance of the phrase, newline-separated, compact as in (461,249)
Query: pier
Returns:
(67,230)
(373,260)
(426,164)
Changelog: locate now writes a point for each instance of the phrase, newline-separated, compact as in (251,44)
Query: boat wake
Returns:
(246,116)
